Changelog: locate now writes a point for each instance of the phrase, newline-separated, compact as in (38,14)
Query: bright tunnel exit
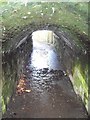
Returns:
(44,54)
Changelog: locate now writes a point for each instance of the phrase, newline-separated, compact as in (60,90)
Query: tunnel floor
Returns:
(44,90)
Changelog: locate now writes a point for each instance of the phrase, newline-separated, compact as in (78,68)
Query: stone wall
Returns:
(12,69)
(75,63)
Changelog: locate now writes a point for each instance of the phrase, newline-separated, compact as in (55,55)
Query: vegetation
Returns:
(73,16)
(80,82)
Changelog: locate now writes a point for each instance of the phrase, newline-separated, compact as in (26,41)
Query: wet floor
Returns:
(48,92)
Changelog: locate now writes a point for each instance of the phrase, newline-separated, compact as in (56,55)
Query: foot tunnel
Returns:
(44,74)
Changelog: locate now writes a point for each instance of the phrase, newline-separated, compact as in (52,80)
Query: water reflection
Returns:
(39,57)
(44,55)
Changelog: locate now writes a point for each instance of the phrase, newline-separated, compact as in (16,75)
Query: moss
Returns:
(6,94)
(3,105)
(8,79)
(80,84)
(70,16)
(62,16)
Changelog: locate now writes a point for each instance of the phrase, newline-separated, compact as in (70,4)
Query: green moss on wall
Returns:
(8,84)
(7,90)
(3,104)
(80,83)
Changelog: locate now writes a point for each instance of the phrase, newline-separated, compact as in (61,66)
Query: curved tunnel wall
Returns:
(18,51)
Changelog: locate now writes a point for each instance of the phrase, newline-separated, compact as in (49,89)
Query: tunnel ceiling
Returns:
(27,34)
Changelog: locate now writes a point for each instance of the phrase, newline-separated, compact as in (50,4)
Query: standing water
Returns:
(47,91)
(44,56)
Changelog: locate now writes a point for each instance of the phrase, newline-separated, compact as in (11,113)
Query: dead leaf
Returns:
(28,91)
(21,87)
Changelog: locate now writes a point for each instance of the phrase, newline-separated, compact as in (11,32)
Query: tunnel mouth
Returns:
(42,77)
(44,50)
(31,68)
(44,60)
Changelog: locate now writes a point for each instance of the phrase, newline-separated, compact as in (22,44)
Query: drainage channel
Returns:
(44,90)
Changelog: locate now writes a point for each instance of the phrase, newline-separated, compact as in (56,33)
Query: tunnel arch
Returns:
(65,46)
(27,31)
(62,41)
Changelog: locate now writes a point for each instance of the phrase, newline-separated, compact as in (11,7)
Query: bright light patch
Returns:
(42,35)
(43,55)
(39,60)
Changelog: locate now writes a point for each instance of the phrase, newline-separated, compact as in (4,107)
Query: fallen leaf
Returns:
(27,90)
(21,87)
